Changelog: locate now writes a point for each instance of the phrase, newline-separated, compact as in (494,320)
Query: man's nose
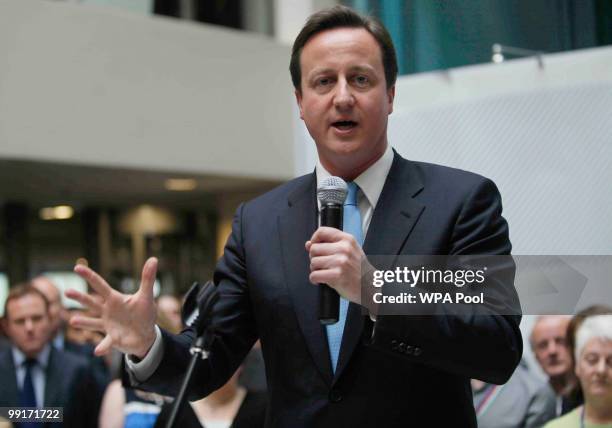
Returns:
(553,348)
(343,98)
(29,325)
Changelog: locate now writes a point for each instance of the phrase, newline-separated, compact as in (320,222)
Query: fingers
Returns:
(327,240)
(328,234)
(323,262)
(87,323)
(84,299)
(104,346)
(326,276)
(96,281)
(149,271)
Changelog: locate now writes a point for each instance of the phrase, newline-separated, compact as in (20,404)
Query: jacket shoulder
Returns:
(434,174)
(280,195)
(70,360)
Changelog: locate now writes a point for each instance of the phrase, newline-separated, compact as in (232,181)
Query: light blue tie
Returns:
(352,225)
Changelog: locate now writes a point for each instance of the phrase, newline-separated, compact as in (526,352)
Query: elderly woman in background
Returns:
(593,356)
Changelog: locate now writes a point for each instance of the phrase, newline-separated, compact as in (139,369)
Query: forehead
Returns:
(28,305)
(550,326)
(47,288)
(598,345)
(339,45)
(168,302)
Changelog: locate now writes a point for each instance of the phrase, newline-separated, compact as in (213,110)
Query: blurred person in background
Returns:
(577,321)
(129,407)
(232,405)
(59,318)
(170,307)
(519,403)
(34,373)
(593,368)
(4,342)
(575,395)
(77,335)
(549,344)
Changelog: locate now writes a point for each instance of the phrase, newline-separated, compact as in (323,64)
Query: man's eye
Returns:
(323,81)
(362,80)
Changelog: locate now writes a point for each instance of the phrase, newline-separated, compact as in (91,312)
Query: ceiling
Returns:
(46,183)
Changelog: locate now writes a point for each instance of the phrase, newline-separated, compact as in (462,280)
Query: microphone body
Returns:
(331,193)
(329,300)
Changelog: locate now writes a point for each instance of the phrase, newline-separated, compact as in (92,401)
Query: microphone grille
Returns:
(332,190)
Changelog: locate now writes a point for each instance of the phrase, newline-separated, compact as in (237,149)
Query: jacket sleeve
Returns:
(233,323)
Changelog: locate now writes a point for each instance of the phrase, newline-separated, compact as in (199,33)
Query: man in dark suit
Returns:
(58,316)
(34,373)
(369,369)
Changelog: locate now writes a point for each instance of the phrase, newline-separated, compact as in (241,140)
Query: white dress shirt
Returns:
(38,371)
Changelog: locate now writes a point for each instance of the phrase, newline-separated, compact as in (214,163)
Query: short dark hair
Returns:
(20,290)
(338,17)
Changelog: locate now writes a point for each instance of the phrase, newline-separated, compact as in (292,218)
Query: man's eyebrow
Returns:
(362,68)
(325,70)
(319,70)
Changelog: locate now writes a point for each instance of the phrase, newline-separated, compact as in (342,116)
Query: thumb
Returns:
(149,271)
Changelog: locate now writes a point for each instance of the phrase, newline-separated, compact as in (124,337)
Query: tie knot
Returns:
(351,197)
(30,362)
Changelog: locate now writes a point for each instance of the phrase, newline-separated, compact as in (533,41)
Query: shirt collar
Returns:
(371,181)
(42,358)
(58,340)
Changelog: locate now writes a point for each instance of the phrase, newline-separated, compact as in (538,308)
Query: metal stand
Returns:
(201,348)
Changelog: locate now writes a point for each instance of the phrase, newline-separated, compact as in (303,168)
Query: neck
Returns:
(561,384)
(225,395)
(347,169)
(598,411)
(477,385)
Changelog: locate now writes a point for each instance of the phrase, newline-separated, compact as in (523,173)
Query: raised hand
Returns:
(127,320)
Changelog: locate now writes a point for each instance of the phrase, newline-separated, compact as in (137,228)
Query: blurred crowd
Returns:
(44,361)
(575,354)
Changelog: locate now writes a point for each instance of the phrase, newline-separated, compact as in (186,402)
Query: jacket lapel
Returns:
(392,222)
(54,379)
(296,225)
(9,393)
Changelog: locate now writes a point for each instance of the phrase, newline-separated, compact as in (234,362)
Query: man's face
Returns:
(344,99)
(170,307)
(594,369)
(549,345)
(52,294)
(27,324)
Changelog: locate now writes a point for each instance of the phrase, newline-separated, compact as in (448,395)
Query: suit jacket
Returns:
(68,384)
(98,366)
(519,403)
(265,293)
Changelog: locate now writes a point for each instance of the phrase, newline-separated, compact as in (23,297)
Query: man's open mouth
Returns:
(344,125)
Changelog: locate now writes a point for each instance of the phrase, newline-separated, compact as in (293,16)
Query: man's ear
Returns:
(298,98)
(391,97)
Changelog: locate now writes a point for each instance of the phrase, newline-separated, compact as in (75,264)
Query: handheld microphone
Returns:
(331,193)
